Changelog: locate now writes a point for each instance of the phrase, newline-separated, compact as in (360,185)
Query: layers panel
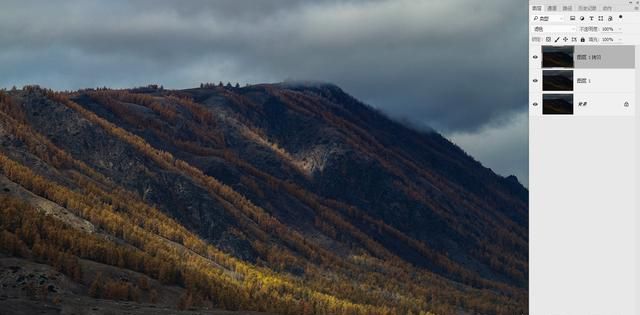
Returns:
(583,157)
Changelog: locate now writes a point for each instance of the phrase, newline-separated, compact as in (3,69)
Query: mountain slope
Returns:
(287,198)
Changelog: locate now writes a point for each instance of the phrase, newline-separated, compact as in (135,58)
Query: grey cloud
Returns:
(451,65)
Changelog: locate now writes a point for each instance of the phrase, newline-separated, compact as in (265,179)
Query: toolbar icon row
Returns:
(593,18)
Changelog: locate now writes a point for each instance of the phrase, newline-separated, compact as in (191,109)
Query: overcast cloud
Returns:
(458,66)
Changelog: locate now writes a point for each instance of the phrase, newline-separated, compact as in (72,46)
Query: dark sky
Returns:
(458,66)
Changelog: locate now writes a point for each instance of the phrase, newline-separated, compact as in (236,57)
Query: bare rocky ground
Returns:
(28,288)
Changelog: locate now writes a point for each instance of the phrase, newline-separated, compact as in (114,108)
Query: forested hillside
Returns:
(278,198)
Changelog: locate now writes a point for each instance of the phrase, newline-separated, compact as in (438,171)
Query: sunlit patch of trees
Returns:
(168,269)
(24,229)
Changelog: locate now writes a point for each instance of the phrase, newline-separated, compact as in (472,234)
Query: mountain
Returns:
(290,198)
